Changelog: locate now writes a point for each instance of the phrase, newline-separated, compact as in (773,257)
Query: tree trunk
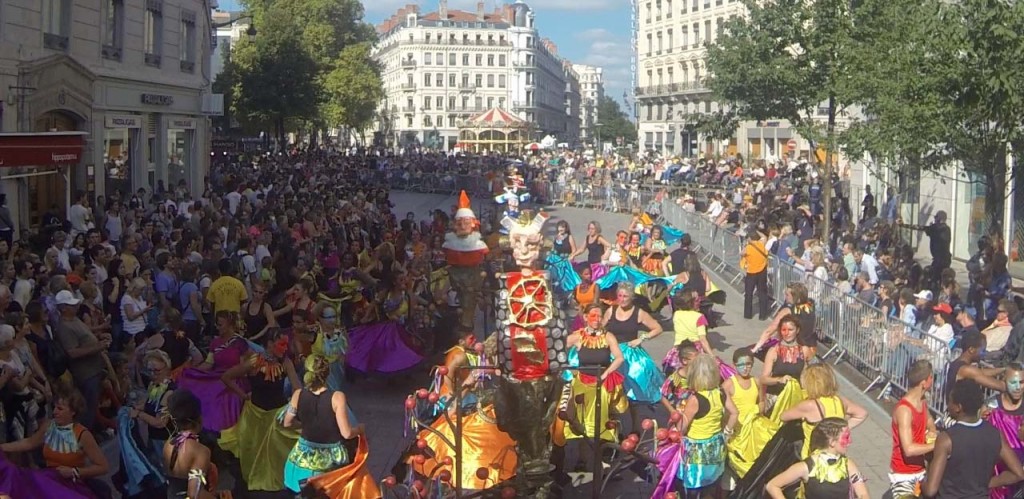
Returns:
(995,194)
(829,189)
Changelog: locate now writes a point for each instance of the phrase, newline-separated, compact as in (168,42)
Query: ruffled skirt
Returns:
(484,446)
(309,459)
(643,377)
(381,348)
(261,445)
(220,406)
(563,275)
(703,463)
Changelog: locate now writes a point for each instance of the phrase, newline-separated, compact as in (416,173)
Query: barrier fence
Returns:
(877,345)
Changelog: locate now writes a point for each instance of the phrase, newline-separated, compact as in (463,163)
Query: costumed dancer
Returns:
(190,472)
(485,446)
(598,354)
(140,475)
(334,343)
(257,440)
(161,387)
(708,418)
(675,389)
(597,248)
(383,347)
(655,249)
(585,294)
(689,324)
(643,377)
(220,406)
(465,251)
(827,473)
(320,460)
(823,401)
(559,259)
(1007,417)
(754,430)
(74,461)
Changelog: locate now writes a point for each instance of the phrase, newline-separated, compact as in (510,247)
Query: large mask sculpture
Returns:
(531,354)
(465,251)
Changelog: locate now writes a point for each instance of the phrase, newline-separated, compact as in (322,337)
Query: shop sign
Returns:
(124,121)
(182,124)
(158,100)
(41,149)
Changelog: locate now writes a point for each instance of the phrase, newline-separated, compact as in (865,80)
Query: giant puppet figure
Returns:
(531,352)
(465,251)
(515,192)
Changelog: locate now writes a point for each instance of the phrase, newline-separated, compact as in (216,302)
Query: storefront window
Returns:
(178,152)
(970,216)
(117,159)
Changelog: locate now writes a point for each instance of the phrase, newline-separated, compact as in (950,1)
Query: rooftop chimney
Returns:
(479,11)
(442,9)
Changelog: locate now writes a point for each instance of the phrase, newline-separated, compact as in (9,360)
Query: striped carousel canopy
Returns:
(496,118)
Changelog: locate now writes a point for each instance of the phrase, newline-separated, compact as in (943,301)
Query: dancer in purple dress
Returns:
(1007,417)
(221,406)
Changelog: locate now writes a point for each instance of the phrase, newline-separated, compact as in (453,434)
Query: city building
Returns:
(442,68)
(592,90)
(132,77)
(671,89)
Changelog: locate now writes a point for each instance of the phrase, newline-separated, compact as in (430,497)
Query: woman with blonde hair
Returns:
(320,460)
(823,401)
(708,419)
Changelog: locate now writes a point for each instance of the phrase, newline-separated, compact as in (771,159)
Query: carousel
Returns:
(494,130)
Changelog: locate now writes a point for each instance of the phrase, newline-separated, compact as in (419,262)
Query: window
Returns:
(501,60)
(490,102)
(501,81)
(426,79)
(56,23)
(440,80)
(451,80)
(113,30)
(427,121)
(408,120)
(439,57)
(685,38)
(451,103)
(696,5)
(707,32)
(188,41)
(153,29)
(479,60)
(479,101)
(479,81)
(650,111)
(451,121)
(650,44)
(426,103)
(501,102)
(659,43)
(465,59)
(696,34)
(427,58)
(670,45)
(490,60)
(451,59)
(490,81)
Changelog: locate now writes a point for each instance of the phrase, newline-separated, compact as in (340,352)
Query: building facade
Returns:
(591,90)
(134,76)
(443,67)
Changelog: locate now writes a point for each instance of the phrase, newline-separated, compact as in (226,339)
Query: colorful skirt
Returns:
(381,348)
(643,378)
(220,406)
(563,275)
(352,481)
(261,445)
(671,362)
(613,400)
(309,459)
(484,446)
(703,462)
(24,482)
(755,431)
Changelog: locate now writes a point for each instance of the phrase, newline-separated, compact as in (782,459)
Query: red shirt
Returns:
(901,464)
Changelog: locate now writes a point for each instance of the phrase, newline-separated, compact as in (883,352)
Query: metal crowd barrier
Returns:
(875,344)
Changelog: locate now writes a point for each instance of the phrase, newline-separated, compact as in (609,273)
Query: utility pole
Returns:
(829,185)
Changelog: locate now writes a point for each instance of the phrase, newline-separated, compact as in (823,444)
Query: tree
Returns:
(614,122)
(350,86)
(782,61)
(274,78)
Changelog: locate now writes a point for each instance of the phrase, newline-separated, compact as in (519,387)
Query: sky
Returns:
(595,32)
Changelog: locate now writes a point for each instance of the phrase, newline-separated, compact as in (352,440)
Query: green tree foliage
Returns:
(338,84)
(614,122)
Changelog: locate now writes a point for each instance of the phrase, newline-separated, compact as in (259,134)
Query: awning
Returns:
(41,149)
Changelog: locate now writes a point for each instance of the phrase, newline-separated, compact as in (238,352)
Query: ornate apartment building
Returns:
(444,67)
(591,89)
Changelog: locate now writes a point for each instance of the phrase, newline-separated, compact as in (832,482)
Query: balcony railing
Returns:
(689,87)
(409,86)
(409,109)
(467,87)
(408,63)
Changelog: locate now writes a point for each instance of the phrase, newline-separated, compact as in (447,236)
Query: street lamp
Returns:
(250,32)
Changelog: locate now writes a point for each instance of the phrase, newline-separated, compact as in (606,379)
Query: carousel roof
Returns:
(496,118)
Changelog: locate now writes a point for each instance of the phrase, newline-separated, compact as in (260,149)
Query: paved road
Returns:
(378,403)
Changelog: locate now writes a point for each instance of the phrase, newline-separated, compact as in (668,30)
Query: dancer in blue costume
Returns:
(559,259)
(643,377)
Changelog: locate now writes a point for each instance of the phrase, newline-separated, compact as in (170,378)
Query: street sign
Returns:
(791,145)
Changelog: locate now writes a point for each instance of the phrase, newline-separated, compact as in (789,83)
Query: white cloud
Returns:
(593,34)
(390,6)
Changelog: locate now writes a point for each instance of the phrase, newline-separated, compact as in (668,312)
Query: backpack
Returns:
(56,357)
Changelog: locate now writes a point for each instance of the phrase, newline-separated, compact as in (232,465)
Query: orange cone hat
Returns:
(464,210)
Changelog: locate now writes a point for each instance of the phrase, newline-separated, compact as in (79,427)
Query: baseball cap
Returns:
(66,298)
(943,308)
(924,294)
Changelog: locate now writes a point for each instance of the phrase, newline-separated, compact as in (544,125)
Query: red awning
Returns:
(41,149)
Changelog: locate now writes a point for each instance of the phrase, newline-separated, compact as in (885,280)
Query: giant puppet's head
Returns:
(466,222)
(525,238)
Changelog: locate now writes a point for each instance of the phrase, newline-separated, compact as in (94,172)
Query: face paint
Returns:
(280,347)
(594,318)
(1013,383)
(845,438)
